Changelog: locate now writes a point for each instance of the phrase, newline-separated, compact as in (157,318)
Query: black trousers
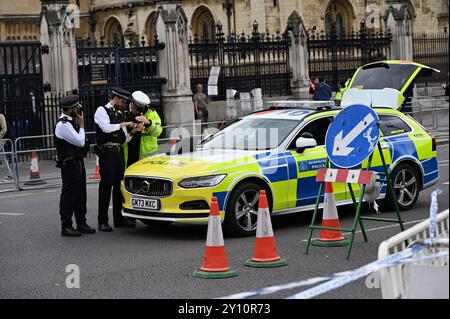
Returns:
(112,167)
(73,193)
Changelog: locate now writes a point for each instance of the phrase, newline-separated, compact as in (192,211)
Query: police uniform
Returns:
(110,138)
(71,148)
(145,143)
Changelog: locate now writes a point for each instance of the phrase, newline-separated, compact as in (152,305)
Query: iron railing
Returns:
(102,66)
(247,61)
(335,56)
(432,49)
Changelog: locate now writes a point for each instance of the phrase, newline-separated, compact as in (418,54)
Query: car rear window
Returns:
(392,76)
(393,125)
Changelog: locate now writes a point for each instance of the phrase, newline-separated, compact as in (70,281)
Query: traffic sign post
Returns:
(352,137)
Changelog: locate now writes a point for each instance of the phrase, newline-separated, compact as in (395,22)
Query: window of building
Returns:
(113,30)
(340,14)
(150,28)
(203,25)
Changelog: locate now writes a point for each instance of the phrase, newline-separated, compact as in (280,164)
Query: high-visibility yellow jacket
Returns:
(342,90)
(149,136)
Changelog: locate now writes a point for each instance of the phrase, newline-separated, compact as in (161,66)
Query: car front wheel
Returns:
(241,213)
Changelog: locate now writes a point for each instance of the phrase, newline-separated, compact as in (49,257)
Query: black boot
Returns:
(105,228)
(70,232)
(86,229)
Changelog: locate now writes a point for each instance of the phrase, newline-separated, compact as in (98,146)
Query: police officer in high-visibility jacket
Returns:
(144,142)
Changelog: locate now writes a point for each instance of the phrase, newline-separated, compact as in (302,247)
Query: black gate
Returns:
(21,87)
(103,66)
(432,49)
(257,60)
(336,56)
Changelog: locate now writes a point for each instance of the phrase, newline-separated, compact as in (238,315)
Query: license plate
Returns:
(152,204)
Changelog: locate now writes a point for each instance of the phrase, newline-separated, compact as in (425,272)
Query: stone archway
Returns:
(203,24)
(150,28)
(340,13)
(111,30)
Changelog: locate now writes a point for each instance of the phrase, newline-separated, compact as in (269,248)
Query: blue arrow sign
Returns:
(352,136)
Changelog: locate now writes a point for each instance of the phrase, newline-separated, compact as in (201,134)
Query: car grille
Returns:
(148,186)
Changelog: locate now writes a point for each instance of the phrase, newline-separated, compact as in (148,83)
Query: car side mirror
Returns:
(303,143)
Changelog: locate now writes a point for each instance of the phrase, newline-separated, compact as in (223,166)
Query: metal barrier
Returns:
(48,171)
(430,109)
(7,165)
(391,278)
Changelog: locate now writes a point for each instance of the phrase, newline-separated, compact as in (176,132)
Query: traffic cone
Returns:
(97,170)
(35,178)
(330,219)
(215,263)
(265,254)
(173,146)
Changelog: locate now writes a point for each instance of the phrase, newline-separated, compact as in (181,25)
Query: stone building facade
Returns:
(134,19)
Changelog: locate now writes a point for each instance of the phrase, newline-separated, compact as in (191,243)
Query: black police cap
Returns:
(124,94)
(69,101)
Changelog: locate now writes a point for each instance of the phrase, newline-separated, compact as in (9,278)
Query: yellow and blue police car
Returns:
(280,150)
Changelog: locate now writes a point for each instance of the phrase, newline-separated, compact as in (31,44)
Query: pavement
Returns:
(157,262)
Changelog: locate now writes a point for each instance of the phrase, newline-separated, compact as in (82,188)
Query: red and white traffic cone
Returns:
(330,219)
(173,147)
(265,254)
(35,177)
(97,170)
(215,263)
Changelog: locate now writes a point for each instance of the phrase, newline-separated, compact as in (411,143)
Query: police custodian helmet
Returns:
(69,101)
(140,99)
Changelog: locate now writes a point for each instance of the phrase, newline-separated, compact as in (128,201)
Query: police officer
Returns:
(71,148)
(146,131)
(111,135)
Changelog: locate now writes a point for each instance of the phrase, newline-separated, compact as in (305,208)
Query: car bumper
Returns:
(193,218)
(170,206)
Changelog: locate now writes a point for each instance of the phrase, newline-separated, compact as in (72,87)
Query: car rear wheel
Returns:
(241,213)
(406,182)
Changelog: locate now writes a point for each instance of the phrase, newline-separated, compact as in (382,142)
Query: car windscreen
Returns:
(383,76)
(252,134)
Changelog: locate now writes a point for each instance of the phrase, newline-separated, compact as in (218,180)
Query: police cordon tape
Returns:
(340,279)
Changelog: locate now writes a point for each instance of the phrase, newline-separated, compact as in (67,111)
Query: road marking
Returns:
(445,183)
(446,164)
(12,214)
(443,161)
(47,191)
(380,228)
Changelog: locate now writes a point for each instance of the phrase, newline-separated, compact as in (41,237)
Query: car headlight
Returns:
(202,181)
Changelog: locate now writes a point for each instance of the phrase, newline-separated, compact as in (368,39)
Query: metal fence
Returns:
(433,114)
(21,87)
(335,56)
(19,154)
(247,61)
(102,66)
(432,49)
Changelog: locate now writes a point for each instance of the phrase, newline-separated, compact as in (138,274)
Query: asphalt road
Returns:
(158,262)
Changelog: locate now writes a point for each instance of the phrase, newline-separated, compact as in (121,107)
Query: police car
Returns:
(280,150)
